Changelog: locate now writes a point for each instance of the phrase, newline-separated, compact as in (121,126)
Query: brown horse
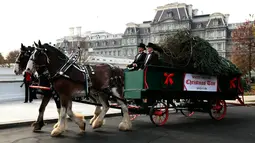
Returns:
(68,78)
(19,67)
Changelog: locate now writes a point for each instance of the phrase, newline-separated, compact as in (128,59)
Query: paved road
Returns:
(238,127)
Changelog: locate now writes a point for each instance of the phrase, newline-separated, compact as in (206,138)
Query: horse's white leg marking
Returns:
(97,110)
(99,120)
(56,125)
(78,119)
(57,131)
(96,113)
(125,123)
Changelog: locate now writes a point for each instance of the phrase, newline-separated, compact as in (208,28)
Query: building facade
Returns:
(167,20)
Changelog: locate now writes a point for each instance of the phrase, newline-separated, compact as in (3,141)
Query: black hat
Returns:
(151,45)
(141,45)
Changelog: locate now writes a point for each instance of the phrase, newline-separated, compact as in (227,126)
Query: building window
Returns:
(97,44)
(148,30)
(170,14)
(101,52)
(114,42)
(141,40)
(215,22)
(110,53)
(220,34)
(219,46)
(199,25)
(119,53)
(114,53)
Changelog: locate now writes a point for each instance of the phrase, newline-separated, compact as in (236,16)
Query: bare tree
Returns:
(244,47)
(11,57)
(2,61)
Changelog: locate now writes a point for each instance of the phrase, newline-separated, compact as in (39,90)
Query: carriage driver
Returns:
(152,57)
(139,58)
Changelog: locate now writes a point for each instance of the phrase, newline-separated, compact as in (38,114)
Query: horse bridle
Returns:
(27,54)
(32,58)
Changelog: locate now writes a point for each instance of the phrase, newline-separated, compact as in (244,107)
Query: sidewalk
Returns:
(18,112)
(248,100)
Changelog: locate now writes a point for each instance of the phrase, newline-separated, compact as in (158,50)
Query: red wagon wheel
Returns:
(132,116)
(159,113)
(188,113)
(218,110)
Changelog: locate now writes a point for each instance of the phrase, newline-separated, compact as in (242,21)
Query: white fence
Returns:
(120,62)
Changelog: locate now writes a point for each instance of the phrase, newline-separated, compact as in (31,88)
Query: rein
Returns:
(61,71)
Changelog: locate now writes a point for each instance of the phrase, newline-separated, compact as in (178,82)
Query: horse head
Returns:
(22,59)
(41,57)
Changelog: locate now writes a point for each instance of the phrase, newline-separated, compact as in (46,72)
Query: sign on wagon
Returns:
(196,82)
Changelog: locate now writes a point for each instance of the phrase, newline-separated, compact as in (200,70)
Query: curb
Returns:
(245,104)
(47,121)
(10,81)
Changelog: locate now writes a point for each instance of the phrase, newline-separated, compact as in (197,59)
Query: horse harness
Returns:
(85,70)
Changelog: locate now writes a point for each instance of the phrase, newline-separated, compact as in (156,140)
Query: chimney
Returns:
(195,11)
(226,18)
(71,31)
(78,31)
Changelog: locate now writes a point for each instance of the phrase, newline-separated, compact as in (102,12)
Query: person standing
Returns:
(139,58)
(28,92)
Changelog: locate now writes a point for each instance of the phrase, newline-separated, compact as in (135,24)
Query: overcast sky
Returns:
(25,21)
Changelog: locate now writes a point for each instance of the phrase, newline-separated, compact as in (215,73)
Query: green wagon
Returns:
(153,90)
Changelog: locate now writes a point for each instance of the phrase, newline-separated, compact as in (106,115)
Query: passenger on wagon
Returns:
(152,57)
(139,58)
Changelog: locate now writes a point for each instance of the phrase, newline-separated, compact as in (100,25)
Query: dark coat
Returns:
(153,59)
(139,60)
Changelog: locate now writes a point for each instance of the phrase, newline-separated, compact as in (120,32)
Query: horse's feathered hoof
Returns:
(56,132)
(57,124)
(37,126)
(125,126)
(97,124)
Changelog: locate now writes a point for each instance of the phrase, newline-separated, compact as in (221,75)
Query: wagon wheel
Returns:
(187,113)
(159,113)
(218,110)
(132,116)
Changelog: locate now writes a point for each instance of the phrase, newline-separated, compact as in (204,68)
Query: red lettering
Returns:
(211,83)
(195,82)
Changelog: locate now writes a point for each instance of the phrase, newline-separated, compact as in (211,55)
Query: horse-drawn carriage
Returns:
(150,91)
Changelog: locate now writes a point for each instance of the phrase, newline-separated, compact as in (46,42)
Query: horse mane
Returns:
(52,49)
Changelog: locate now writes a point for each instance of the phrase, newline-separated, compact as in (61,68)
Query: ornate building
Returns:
(171,17)
(167,20)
